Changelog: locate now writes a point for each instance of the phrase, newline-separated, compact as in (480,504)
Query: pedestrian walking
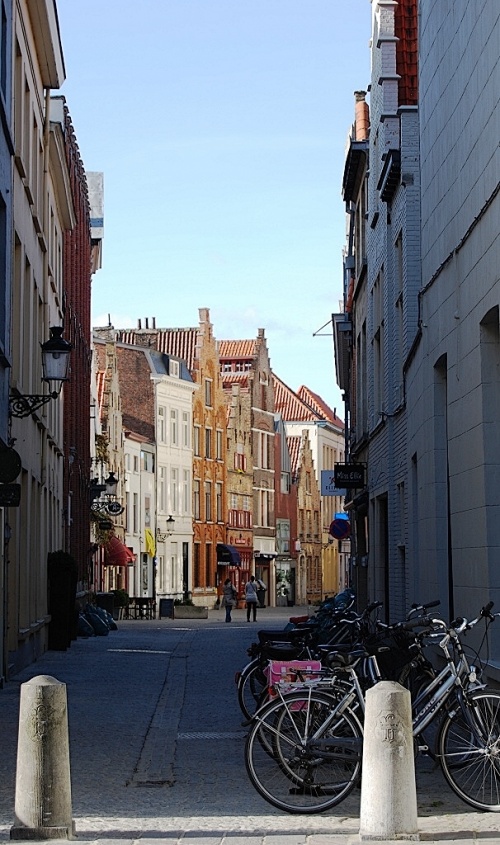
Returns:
(251,598)
(229,596)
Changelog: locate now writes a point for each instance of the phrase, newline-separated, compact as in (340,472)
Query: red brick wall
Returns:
(77,289)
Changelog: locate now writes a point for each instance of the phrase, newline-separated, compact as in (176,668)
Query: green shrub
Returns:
(122,598)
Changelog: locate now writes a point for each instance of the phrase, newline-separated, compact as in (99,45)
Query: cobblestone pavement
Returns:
(156,745)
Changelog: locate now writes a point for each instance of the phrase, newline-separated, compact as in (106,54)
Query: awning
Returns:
(228,555)
(117,553)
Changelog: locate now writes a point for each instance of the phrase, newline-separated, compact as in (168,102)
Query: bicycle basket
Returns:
(393,652)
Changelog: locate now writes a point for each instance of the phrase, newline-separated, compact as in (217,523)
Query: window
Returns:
(173,427)
(263,450)
(196,444)
(136,463)
(197,563)
(173,368)
(147,510)
(282,536)
(240,462)
(135,514)
(162,500)
(208,442)
(174,487)
(196,498)
(185,430)
(208,564)
(218,501)
(264,508)
(285,482)
(147,461)
(161,425)
(208,501)
(208,392)
(218,444)
(185,491)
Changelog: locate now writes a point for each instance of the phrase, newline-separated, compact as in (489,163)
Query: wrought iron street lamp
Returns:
(161,536)
(106,504)
(55,364)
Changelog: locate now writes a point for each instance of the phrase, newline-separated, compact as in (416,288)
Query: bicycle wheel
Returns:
(316,759)
(252,688)
(469,749)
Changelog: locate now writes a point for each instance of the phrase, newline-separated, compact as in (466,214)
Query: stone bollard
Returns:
(43,783)
(388,789)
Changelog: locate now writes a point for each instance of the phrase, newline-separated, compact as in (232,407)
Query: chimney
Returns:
(154,322)
(146,322)
(139,326)
(361,117)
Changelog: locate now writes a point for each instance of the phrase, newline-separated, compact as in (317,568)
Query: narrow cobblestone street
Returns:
(157,745)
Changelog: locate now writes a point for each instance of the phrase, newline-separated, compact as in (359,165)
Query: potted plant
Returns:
(120,602)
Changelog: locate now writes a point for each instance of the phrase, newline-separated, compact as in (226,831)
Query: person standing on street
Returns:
(228,598)
(251,598)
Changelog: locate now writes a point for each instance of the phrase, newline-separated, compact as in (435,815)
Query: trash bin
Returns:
(106,601)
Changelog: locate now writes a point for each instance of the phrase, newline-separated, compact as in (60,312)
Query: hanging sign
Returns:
(349,475)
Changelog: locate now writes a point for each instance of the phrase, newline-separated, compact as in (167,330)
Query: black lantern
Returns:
(161,536)
(111,484)
(55,364)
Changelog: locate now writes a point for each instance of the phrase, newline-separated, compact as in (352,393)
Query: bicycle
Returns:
(301,643)
(303,753)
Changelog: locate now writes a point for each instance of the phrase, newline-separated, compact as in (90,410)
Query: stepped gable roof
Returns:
(291,407)
(181,343)
(240,349)
(319,405)
(294,443)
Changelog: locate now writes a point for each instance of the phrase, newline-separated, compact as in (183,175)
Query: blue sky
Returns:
(220,127)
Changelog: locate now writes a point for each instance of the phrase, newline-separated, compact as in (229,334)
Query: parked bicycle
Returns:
(304,749)
(301,642)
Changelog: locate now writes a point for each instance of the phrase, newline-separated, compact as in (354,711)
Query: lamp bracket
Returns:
(21,405)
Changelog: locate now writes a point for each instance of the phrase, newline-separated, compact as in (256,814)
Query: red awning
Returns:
(117,553)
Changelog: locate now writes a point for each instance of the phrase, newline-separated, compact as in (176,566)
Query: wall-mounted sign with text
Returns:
(351,476)
(328,486)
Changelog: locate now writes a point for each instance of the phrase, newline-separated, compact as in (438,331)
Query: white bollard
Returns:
(43,783)
(388,789)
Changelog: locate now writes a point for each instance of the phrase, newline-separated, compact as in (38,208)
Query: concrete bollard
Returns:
(388,789)
(43,783)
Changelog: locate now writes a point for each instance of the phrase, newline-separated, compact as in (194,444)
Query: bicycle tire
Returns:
(469,750)
(252,688)
(311,769)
